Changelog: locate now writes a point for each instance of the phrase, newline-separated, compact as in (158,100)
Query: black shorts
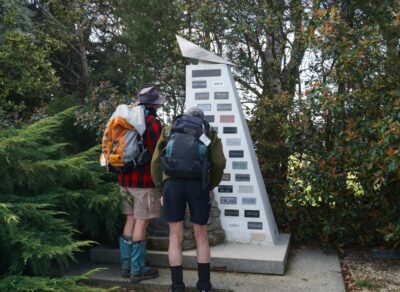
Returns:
(177,192)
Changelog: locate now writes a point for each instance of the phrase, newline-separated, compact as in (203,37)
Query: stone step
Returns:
(229,257)
(110,277)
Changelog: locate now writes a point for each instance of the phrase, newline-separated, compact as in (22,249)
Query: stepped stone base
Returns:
(231,257)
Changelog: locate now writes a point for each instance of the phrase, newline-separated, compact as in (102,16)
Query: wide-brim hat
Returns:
(150,95)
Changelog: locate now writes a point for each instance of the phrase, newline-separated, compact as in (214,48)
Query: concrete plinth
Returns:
(230,257)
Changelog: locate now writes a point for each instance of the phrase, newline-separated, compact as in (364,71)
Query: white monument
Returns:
(246,213)
(253,243)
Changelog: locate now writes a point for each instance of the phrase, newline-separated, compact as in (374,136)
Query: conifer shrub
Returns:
(54,199)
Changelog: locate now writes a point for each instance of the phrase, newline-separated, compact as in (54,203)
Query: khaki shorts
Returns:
(146,203)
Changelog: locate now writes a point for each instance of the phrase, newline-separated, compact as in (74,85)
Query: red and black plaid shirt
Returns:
(140,177)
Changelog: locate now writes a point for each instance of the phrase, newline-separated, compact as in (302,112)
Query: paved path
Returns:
(308,269)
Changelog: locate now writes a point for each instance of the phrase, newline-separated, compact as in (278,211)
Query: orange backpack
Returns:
(122,144)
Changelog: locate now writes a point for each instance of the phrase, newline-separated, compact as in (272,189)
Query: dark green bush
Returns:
(54,200)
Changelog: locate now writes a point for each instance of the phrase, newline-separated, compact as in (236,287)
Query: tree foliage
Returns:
(51,189)
(27,78)
(345,130)
(319,82)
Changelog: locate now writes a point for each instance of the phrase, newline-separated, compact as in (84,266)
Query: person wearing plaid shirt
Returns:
(141,199)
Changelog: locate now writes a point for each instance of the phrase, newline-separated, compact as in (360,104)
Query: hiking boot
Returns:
(200,287)
(149,274)
(125,273)
(205,290)
(177,288)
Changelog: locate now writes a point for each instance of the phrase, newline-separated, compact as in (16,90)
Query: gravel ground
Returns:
(363,273)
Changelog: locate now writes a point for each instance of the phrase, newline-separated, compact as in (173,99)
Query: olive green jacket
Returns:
(216,156)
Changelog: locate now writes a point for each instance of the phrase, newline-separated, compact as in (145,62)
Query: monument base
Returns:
(230,257)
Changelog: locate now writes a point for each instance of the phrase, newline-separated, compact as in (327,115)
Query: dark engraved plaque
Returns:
(246,189)
(226,177)
(227,119)
(201,95)
(199,84)
(239,164)
(228,200)
(236,153)
(230,130)
(252,213)
(230,212)
(233,142)
(206,107)
(254,225)
(221,95)
(209,118)
(242,177)
(206,73)
(225,189)
(249,201)
(224,107)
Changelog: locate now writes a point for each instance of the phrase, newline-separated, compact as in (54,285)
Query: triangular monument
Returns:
(246,214)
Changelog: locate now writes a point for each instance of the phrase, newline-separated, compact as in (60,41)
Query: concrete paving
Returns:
(308,269)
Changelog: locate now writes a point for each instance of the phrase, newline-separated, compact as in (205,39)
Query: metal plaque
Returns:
(221,95)
(206,107)
(218,83)
(228,200)
(230,130)
(206,73)
(249,201)
(254,225)
(233,142)
(236,153)
(199,84)
(246,189)
(201,95)
(209,118)
(224,107)
(226,177)
(227,119)
(225,189)
(239,164)
(230,212)
(252,213)
(242,177)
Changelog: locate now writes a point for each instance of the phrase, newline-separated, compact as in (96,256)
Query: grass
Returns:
(365,283)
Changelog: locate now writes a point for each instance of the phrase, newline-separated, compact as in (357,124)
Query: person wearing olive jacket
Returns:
(177,192)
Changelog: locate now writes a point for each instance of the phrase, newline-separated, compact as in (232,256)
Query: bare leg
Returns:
(129,225)
(203,248)
(139,231)
(175,243)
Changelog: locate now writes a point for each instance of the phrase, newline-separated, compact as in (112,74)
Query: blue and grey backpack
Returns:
(185,155)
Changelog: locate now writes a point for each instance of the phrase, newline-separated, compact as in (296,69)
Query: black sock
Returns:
(203,271)
(177,275)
